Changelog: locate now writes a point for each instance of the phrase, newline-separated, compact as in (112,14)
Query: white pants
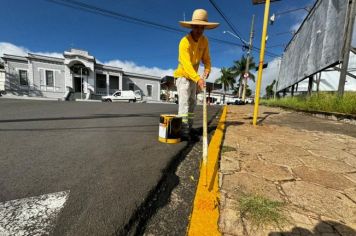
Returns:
(186,101)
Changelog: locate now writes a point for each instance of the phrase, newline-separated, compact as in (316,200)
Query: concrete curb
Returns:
(205,214)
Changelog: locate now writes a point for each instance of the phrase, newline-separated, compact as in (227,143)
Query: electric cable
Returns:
(130,19)
(254,48)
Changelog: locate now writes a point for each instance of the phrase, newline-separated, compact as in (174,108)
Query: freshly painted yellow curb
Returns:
(205,215)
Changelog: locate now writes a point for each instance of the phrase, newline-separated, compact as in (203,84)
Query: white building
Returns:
(2,78)
(77,72)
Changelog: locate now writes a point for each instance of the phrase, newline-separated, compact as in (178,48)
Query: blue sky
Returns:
(43,26)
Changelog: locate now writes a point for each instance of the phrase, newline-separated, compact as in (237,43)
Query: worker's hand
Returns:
(201,84)
(205,76)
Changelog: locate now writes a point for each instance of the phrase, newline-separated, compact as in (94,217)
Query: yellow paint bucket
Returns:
(169,128)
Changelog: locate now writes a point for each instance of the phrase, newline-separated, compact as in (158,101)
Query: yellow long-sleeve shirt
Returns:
(191,53)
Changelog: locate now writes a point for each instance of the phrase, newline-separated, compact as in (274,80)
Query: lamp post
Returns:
(262,55)
(247,72)
(248,53)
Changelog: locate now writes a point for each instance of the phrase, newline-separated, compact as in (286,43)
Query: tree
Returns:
(236,90)
(270,90)
(227,80)
(239,69)
(248,91)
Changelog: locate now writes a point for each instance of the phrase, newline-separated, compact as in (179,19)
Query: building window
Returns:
(49,78)
(23,77)
(131,86)
(114,82)
(100,81)
(149,90)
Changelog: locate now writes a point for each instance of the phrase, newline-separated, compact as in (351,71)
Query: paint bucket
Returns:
(169,128)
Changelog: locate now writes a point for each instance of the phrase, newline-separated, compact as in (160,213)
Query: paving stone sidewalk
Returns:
(307,163)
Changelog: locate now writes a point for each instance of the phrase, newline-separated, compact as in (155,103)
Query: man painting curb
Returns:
(193,48)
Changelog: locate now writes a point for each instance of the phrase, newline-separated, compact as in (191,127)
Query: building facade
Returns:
(2,77)
(77,73)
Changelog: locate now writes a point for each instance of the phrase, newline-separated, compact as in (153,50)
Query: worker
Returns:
(193,49)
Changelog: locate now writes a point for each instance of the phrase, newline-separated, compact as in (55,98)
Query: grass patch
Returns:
(227,149)
(261,211)
(324,101)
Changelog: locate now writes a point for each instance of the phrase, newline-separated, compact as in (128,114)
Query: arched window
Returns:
(79,68)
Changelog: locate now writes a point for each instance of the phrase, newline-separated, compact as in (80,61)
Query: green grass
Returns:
(227,149)
(261,211)
(328,102)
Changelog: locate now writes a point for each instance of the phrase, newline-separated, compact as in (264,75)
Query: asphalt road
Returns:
(106,156)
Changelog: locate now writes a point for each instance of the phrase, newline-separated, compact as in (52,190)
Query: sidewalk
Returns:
(306,163)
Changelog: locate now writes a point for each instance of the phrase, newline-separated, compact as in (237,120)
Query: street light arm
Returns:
(226,31)
(307,9)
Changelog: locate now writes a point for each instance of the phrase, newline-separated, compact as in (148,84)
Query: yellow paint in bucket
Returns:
(169,128)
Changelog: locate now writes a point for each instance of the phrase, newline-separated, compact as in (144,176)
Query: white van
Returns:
(123,96)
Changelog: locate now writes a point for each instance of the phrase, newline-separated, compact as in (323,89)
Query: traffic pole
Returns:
(260,66)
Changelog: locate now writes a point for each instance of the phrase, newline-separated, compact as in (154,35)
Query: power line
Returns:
(254,48)
(96,10)
(104,12)
(118,16)
(227,21)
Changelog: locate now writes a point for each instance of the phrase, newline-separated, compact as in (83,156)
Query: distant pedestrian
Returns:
(193,49)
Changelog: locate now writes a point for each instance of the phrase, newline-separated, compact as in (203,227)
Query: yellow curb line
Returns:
(205,215)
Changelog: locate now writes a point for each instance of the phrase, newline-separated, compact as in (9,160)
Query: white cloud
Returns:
(50,54)
(269,74)
(9,48)
(130,66)
(295,27)
(134,68)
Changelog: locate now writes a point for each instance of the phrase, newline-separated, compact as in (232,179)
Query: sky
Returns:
(50,28)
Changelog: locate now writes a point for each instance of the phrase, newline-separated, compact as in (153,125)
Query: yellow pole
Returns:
(260,67)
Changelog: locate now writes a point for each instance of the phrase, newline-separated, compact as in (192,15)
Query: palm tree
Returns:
(227,80)
(239,69)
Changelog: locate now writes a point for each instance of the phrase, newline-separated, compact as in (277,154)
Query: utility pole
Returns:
(247,72)
(347,47)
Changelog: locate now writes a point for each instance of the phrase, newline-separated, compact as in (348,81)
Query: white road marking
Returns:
(31,216)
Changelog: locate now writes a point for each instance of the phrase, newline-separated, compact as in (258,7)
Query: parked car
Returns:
(138,95)
(249,101)
(239,102)
(231,101)
(123,96)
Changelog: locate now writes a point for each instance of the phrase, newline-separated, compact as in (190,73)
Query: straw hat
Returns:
(200,17)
